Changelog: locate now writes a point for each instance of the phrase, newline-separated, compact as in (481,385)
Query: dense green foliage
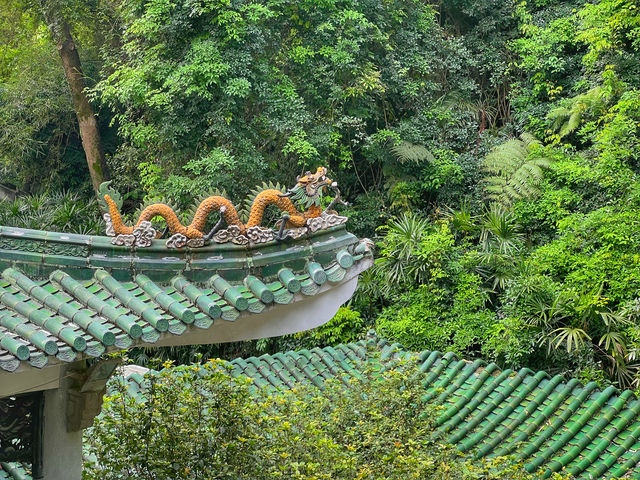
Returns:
(40,147)
(199,422)
(490,147)
(226,94)
(58,212)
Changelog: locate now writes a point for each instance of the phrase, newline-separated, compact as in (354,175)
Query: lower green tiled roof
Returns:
(14,471)
(545,422)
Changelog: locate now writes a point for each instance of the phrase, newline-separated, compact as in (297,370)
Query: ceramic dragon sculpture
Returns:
(307,193)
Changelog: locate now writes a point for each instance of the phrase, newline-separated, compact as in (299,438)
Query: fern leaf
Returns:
(406,152)
(511,172)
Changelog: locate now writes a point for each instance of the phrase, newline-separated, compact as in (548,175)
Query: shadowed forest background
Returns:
(489,147)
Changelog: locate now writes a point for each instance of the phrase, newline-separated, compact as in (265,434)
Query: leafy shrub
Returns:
(433,299)
(439,317)
(58,212)
(345,327)
(594,250)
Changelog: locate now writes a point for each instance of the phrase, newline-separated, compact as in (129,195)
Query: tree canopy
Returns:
(489,147)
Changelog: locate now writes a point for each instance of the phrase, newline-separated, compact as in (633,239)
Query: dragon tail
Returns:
(116,219)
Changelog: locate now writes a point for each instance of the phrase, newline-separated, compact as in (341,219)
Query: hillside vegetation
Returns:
(490,147)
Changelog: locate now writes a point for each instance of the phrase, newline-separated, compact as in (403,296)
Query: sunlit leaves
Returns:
(608,27)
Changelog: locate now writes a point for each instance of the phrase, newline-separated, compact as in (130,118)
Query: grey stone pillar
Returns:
(61,450)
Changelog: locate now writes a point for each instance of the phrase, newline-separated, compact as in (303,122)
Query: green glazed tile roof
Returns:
(545,422)
(68,297)
(14,471)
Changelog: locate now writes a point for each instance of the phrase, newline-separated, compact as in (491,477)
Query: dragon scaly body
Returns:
(307,189)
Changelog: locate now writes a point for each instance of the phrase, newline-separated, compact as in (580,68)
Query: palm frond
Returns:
(573,337)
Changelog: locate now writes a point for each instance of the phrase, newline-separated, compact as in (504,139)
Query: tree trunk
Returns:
(87,121)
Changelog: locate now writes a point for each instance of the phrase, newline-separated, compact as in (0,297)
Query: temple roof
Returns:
(545,422)
(66,297)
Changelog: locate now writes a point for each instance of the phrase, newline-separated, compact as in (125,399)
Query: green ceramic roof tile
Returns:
(259,289)
(229,313)
(205,303)
(289,280)
(280,293)
(117,297)
(335,273)
(547,423)
(255,305)
(344,259)
(230,293)
(317,273)
(14,471)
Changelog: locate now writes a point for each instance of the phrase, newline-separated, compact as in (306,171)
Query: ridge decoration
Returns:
(295,222)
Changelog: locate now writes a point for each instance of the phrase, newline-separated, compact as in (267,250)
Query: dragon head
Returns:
(309,187)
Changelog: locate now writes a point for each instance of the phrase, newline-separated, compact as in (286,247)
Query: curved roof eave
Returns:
(67,297)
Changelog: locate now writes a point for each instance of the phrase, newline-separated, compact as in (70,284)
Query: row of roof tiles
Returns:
(14,471)
(71,319)
(547,423)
